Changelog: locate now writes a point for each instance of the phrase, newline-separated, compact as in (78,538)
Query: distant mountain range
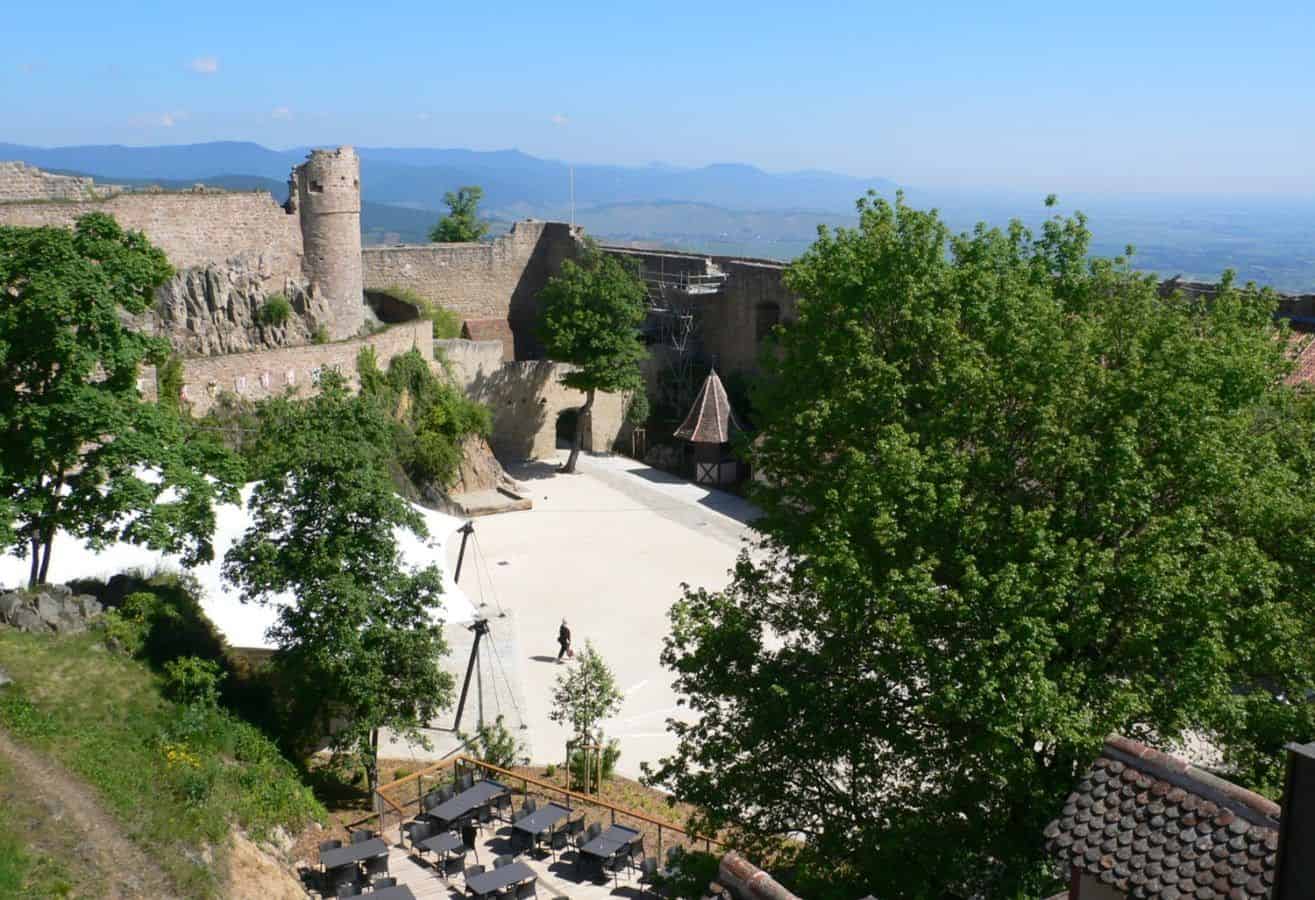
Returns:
(729,209)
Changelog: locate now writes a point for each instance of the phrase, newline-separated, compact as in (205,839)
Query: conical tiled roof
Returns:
(711,419)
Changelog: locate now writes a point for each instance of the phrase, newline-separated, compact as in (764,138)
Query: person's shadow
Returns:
(551,659)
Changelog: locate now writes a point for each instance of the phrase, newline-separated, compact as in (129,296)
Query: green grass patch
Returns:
(37,855)
(174,775)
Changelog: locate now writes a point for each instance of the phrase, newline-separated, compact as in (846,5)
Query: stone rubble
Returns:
(50,608)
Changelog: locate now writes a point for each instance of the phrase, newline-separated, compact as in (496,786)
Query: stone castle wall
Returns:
(19,181)
(193,228)
(526,398)
(498,279)
(268,373)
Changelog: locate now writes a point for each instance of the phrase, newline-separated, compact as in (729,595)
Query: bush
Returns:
(447,324)
(496,745)
(690,875)
(275,311)
(611,753)
(320,335)
(192,680)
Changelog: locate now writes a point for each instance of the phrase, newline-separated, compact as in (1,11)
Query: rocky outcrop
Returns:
(221,308)
(480,469)
(52,608)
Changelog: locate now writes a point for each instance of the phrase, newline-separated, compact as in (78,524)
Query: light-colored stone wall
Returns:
(255,376)
(19,181)
(526,398)
(328,188)
(498,279)
(192,228)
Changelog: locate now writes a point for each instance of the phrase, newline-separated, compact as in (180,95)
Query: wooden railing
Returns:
(389,805)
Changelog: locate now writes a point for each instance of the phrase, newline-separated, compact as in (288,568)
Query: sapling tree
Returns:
(586,694)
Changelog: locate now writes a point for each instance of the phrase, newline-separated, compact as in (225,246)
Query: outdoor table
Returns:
(471,798)
(604,846)
(396,892)
(442,843)
(539,821)
(496,879)
(352,853)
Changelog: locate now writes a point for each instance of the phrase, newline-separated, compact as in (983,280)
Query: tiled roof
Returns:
(491,330)
(1301,346)
(1155,828)
(711,419)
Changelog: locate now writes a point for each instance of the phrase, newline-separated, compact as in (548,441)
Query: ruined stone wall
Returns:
(525,398)
(258,375)
(19,181)
(734,318)
(193,228)
(498,279)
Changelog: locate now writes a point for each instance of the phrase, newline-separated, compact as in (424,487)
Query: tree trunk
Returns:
(35,572)
(580,418)
(45,556)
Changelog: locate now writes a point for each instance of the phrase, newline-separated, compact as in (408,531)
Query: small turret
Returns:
(328,199)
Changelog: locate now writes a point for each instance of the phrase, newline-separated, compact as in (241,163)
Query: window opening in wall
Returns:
(292,376)
(316,187)
(240,383)
(264,380)
(768,317)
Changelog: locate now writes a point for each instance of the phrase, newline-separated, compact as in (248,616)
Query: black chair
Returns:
(445,793)
(471,872)
(383,883)
(635,856)
(484,815)
(330,845)
(349,890)
(376,865)
(648,874)
(503,861)
(465,782)
(559,839)
(452,861)
(673,857)
(527,889)
(502,805)
(468,835)
(343,876)
(531,805)
(360,837)
(417,831)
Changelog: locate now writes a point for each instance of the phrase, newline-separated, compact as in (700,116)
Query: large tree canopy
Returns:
(589,316)
(358,649)
(1014,501)
(80,451)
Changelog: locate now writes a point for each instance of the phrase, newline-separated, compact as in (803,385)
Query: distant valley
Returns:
(726,209)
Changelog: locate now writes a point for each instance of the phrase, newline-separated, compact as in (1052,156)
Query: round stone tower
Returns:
(328,199)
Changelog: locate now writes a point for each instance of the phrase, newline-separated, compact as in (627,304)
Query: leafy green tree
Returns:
(585,694)
(357,648)
(80,451)
(589,316)
(462,223)
(1014,501)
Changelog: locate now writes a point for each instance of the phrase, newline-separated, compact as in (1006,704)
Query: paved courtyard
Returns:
(607,549)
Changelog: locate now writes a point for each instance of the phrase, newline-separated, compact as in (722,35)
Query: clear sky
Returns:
(1160,94)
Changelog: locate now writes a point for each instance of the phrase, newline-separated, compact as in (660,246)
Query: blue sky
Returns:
(1154,95)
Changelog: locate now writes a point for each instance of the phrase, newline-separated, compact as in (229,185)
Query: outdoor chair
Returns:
(417,831)
(471,872)
(360,837)
(465,782)
(376,865)
(330,845)
(502,804)
(635,857)
(527,889)
(484,815)
(446,793)
(388,881)
(559,839)
(468,835)
(503,861)
(453,861)
(673,857)
(616,864)
(531,805)
(349,890)
(648,873)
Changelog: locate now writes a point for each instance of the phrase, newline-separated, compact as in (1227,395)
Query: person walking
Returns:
(564,641)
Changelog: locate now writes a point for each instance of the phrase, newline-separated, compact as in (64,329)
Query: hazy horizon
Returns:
(1182,99)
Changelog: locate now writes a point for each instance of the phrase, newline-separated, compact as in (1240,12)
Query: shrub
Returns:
(169,383)
(192,680)
(320,335)
(447,324)
(275,311)
(690,875)
(611,753)
(496,745)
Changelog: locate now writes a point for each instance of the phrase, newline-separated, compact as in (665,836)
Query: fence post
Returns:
(659,846)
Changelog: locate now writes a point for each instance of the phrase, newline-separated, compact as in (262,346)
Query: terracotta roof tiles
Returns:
(1156,828)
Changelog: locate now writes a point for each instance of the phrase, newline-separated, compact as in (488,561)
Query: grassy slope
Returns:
(173,777)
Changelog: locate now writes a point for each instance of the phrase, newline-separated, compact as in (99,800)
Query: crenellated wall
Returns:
(498,279)
(193,228)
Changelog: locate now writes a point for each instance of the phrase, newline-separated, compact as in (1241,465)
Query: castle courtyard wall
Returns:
(268,373)
(19,181)
(192,228)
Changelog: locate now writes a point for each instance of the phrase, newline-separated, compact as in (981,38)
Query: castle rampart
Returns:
(19,181)
(192,228)
(498,279)
(268,373)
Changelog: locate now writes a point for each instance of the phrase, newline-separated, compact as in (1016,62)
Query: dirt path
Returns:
(74,819)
